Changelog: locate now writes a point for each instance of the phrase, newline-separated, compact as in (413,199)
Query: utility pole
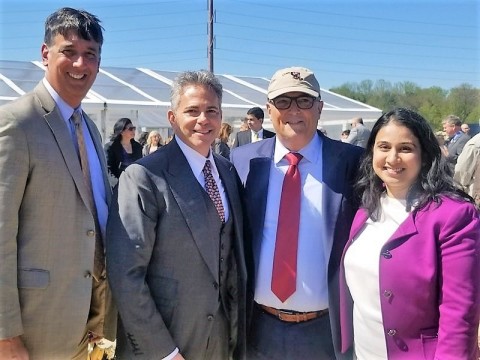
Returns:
(210,35)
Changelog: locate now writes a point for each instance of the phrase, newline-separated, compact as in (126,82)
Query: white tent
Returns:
(143,95)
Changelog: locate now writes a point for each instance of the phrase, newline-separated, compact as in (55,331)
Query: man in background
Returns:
(456,138)
(54,195)
(359,134)
(255,130)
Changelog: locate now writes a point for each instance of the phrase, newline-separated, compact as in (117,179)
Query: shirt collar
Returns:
(65,109)
(195,159)
(310,152)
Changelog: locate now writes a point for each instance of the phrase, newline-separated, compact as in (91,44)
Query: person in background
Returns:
(440,136)
(54,196)
(299,206)
(359,133)
(243,125)
(456,138)
(154,142)
(220,146)
(122,149)
(466,129)
(410,284)
(344,135)
(143,137)
(255,130)
(467,169)
(175,240)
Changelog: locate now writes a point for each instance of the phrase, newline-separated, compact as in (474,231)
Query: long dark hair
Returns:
(435,177)
(119,126)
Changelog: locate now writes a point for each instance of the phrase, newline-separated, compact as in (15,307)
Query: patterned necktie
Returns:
(284,273)
(212,190)
(255,137)
(82,154)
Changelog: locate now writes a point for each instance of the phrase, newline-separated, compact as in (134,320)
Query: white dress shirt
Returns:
(96,174)
(311,291)
(362,262)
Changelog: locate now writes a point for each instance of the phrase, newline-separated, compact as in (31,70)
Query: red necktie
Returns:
(284,274)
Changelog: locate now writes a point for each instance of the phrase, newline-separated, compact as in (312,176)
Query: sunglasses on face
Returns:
(131,128)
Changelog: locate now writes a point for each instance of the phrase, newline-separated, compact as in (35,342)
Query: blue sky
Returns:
(428,42)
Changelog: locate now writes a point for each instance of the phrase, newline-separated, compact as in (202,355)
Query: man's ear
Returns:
(44,52)
(171,117)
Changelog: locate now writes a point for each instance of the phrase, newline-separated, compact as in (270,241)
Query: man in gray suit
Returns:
(174,240)
(359,134)
(54,297)
(452,125)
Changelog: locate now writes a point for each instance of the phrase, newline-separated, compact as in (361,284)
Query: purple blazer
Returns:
(429,284)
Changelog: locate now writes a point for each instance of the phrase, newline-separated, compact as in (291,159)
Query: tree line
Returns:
(433,103)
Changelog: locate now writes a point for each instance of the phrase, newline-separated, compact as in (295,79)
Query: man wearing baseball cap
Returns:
(299,208)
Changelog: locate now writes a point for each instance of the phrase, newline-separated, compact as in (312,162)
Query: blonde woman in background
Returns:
(154,141)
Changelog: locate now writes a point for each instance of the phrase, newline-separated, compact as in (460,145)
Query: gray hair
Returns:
(201,78)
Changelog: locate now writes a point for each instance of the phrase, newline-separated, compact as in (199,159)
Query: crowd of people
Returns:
(288,245)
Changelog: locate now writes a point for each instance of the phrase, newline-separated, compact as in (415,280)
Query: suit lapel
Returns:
(64,140)
(189,196)
(256,189)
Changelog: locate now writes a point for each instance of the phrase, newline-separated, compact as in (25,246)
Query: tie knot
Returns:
(293,158)
(76,118)
(207,168)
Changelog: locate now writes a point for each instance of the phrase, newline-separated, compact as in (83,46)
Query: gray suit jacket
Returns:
(455,148)
(340,162)
(46,243)
(358,136)
(163,258)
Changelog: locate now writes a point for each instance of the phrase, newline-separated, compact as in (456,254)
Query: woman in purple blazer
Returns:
(410,283)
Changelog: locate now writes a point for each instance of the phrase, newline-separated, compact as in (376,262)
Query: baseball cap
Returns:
(293,79)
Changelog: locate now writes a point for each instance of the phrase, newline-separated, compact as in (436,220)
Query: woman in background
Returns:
(410,281)
(154,141)
(122,150)
(220,145)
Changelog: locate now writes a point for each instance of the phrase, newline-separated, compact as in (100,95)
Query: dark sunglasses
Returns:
(131,128)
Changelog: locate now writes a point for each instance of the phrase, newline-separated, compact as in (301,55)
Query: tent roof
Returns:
(147,91)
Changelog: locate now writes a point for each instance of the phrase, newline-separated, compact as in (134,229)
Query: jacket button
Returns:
(210,317)
(215,285)
(392,332)
(91,233)
(386,254)
(387,293)
(87,275)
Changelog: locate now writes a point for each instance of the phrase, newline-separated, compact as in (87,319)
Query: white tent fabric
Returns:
(143,95)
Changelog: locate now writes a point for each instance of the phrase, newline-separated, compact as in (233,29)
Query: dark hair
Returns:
(435,177)
(119,126)
(257,112)
(66,19)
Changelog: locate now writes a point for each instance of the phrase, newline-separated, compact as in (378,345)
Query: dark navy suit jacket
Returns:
(245,137)
(340,162)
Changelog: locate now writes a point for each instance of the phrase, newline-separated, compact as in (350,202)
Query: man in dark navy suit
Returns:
(304,322)
(255,130)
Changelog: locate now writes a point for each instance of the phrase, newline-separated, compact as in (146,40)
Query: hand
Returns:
(13,349)
(178,357)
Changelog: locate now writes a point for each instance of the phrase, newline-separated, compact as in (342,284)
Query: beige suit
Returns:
(46,243)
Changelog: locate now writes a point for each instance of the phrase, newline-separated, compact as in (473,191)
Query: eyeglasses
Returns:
(131,128)
(284,102)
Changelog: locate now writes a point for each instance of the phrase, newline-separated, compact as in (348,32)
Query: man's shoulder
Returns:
(268,133)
